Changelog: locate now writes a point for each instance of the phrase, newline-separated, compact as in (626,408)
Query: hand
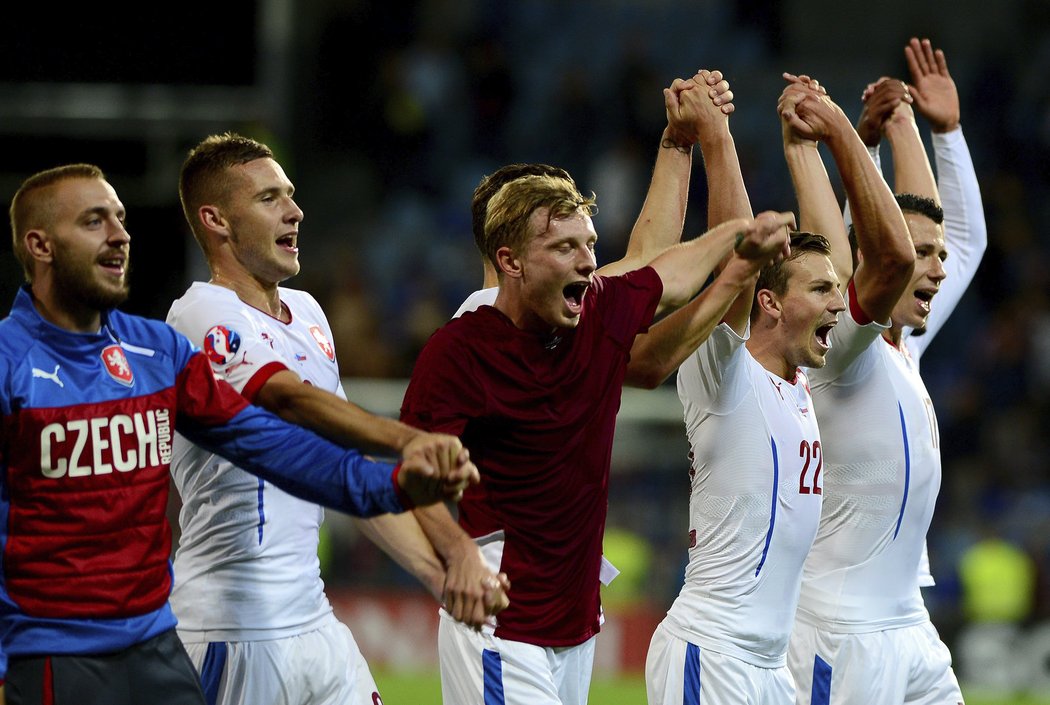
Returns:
(698,109)
(767,238)
(436,466)
(884,100)
(472,591)
(932,86)
(807,111)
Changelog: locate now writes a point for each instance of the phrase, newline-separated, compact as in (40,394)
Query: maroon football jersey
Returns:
(537,413)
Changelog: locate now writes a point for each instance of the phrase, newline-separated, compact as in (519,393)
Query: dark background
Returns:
(386,114)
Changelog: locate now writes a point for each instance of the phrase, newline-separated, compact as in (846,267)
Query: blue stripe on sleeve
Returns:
(773,508)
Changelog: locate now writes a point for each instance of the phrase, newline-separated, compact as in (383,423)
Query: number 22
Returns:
(812,454)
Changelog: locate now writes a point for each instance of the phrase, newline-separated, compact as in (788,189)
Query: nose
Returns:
(118,234)
(838,303)
(586,263)
(295,213)
(937,272)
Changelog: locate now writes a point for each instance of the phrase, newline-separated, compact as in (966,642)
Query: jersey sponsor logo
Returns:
(117,366)
(322,342)
(53,376)
(221,345)
(100,445)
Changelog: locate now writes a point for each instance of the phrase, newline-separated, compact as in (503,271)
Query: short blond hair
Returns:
(30,209)
(510,210)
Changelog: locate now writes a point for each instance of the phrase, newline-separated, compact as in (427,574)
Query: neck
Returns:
(69,315)
(510,305)
(894,334)
(768,355)
(257,294)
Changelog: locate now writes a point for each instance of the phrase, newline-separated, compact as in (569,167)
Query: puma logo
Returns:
(53,376)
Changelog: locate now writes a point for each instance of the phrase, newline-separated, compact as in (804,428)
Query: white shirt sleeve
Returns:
(712,379)
(965,232)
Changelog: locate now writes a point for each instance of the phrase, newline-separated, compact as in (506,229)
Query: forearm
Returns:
(882,234)
(684,268)
(658,353)
(817,203)
(401,537)
(965,231)
(726,193)
(299,462)
(912,172)
(332,417)
(660,222)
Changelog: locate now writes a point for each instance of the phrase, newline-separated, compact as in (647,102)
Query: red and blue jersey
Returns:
(86,425)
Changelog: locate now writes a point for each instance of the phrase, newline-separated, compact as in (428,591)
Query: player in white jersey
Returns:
(863,633)
(755,488)
(248,594)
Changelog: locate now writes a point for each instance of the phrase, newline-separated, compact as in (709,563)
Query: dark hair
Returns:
(489,185)
(28,211)
(774,276)
(203,177)
(913,203)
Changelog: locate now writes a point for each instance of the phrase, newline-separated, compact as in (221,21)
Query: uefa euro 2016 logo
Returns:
(221,345)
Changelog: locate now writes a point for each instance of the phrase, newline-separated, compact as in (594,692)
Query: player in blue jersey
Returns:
(90,400)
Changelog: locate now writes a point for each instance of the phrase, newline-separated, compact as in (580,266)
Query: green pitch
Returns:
(425,689)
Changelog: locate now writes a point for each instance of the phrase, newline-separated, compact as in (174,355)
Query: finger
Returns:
(911,56)
(920,57)
(714,77)
(927,55)
(718,88)
(728,108)
(726,97)
(942,63)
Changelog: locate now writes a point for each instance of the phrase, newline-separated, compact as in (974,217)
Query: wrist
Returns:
(945,127)
(678,141)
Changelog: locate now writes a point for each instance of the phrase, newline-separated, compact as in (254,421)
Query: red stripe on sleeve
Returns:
(203,398)
(260,378)
(855,310)
(402,496)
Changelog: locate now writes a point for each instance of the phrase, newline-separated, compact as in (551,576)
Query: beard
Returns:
(77,283)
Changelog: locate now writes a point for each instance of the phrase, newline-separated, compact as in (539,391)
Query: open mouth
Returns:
(573,294)
(924,298)
(287,243)
(823,335)
(114,264)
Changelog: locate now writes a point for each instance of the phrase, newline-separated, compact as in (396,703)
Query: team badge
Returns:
(322,342)
(221,345)
(117,366)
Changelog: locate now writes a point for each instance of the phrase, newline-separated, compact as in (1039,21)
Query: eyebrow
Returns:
(276,191)
(103,211)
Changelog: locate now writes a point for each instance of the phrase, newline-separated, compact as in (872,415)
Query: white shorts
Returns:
(908,665)
(479,669)
(680,673)
(319,667)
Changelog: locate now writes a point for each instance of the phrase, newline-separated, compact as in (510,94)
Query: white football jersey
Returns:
(247,567)
(883,471)
(754,503)
(481,297)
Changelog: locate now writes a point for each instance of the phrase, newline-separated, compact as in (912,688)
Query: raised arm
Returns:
(886,256)
(817,203)
(657,354)
(965,231)
(697,109)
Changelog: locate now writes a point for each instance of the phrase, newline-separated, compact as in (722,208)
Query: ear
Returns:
(40,246)
(769,304)
(508,263)
(212,219)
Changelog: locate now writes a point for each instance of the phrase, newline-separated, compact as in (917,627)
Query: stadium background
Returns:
(386,114)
